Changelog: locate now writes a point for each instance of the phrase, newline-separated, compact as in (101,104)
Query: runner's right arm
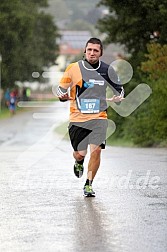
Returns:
(65,83)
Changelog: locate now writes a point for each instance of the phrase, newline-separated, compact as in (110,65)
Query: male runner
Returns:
(84,83)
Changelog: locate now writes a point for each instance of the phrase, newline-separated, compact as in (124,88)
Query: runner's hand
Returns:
(65,97)
(115,98)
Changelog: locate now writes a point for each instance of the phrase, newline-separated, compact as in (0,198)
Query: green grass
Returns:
(63,130)
(5,113)
(120,142)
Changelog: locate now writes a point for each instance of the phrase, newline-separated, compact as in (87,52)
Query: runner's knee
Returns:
(96,151)
(79,155)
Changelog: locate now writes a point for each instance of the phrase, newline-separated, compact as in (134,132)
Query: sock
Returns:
(80,162)
(88,182)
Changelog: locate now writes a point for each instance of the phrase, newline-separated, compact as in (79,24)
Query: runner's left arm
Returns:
(116,86)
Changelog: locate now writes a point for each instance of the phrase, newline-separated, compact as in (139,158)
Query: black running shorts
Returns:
(90,132)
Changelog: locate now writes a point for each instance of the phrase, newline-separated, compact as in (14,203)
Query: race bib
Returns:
(90,106)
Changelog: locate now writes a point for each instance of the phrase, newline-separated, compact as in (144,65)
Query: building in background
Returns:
(71,44)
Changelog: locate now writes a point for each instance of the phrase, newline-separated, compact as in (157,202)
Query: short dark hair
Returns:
(95,41)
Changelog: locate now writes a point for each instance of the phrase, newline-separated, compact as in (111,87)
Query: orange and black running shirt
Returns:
(88,89)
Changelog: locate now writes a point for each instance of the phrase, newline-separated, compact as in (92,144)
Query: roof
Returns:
(72,42)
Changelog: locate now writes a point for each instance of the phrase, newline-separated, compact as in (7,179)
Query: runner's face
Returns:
(93,53)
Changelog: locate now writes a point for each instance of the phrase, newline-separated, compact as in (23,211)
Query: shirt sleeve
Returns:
(66,79)
(65,83)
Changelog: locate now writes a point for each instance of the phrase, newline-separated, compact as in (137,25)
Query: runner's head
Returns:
(93,50)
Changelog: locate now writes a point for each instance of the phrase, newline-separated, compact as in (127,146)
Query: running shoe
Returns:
(88,191)
(78,169)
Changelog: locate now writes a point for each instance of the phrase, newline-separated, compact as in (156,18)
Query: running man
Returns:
(84,83)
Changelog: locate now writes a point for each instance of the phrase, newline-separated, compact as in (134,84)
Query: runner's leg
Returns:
(94,161)
(79,155)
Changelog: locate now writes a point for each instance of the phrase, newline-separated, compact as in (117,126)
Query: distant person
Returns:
(16,93)
(12,103)
(7,97)
(24,94)
(87,80)
(28,94)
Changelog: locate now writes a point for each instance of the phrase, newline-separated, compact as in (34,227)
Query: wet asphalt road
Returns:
(42,204)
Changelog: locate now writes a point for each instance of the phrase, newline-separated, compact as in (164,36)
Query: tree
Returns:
(149,124)
(135,23)
(28,39)
(138,24)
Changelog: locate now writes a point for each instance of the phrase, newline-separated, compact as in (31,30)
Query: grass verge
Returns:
(63,130)
(5,113)
(112,141)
